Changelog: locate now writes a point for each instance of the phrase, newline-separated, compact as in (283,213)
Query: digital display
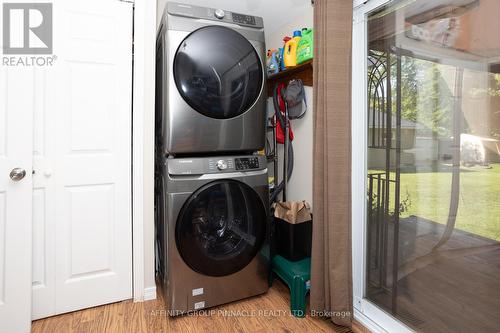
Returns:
(247,163)
(243,19)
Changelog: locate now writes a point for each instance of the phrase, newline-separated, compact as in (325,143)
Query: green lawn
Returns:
(428,196)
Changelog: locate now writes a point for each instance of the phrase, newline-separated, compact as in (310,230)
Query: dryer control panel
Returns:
(214,14)
(244,19)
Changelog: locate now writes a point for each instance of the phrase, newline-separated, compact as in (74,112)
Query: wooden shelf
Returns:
(303,71)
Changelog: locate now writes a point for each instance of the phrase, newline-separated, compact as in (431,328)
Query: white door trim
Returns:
(143,239)
(366,312)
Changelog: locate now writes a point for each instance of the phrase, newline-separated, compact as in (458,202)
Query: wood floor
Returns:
(148,317)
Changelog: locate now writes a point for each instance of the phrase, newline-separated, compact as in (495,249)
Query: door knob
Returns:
(17,174)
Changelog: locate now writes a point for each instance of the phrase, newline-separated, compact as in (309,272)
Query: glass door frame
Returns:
(365,311)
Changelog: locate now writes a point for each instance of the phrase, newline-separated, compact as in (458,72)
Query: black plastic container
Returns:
(292,241)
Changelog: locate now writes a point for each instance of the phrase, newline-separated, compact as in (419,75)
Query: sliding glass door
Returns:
(431,229)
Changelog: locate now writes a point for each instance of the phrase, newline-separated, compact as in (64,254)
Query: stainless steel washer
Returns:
(215,230)
(211,87)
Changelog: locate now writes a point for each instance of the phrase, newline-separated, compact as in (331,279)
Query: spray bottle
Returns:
(272,61)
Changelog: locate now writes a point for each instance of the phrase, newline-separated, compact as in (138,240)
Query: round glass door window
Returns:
(218,72)
(220,228)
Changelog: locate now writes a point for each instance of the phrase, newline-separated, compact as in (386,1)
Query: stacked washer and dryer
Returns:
(212,192)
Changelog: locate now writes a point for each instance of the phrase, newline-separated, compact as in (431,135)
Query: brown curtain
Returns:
(331,276)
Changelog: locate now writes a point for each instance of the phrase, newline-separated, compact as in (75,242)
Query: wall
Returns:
(300,185)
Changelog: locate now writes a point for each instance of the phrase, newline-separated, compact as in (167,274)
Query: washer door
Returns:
(221,227)
(218,72)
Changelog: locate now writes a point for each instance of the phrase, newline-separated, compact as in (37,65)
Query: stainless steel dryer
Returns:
(211,87)
(216,230)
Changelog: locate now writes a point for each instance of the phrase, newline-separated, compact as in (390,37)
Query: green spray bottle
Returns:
(305,49)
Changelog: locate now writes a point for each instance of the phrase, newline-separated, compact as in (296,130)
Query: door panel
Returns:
(91,220)
(218,72)
(3,224)
(85,169)
(221,227)
(16,119)
(91,115)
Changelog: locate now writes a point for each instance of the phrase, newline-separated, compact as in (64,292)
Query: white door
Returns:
(16,120)
(82,159)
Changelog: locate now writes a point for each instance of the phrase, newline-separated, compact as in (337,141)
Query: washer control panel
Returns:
(215,165)
(247,163)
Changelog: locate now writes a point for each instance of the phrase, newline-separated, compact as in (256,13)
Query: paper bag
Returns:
(293,212)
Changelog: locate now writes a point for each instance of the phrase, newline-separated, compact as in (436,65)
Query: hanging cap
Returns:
(296,99)
(297,33)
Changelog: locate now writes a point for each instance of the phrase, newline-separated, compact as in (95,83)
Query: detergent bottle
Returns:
(305,49)
(290,53)
(272,62)
(282,53)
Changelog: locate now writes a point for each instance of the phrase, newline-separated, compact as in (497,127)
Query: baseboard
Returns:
(150,293)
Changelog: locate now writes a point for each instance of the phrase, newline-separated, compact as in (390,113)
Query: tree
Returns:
(425,95)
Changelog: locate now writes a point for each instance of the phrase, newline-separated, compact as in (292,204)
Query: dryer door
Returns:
(218,72)
(221,227)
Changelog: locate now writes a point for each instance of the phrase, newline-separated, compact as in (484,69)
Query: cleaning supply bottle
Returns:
(272,62)
(282,53)
(290,53)
(305,48)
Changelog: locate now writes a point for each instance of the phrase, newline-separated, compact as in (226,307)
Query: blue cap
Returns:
(297,33)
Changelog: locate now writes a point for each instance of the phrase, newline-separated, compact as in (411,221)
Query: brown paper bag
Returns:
(293,212)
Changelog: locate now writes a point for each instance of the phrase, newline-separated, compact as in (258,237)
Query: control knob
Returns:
(221,165)
(219,13)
